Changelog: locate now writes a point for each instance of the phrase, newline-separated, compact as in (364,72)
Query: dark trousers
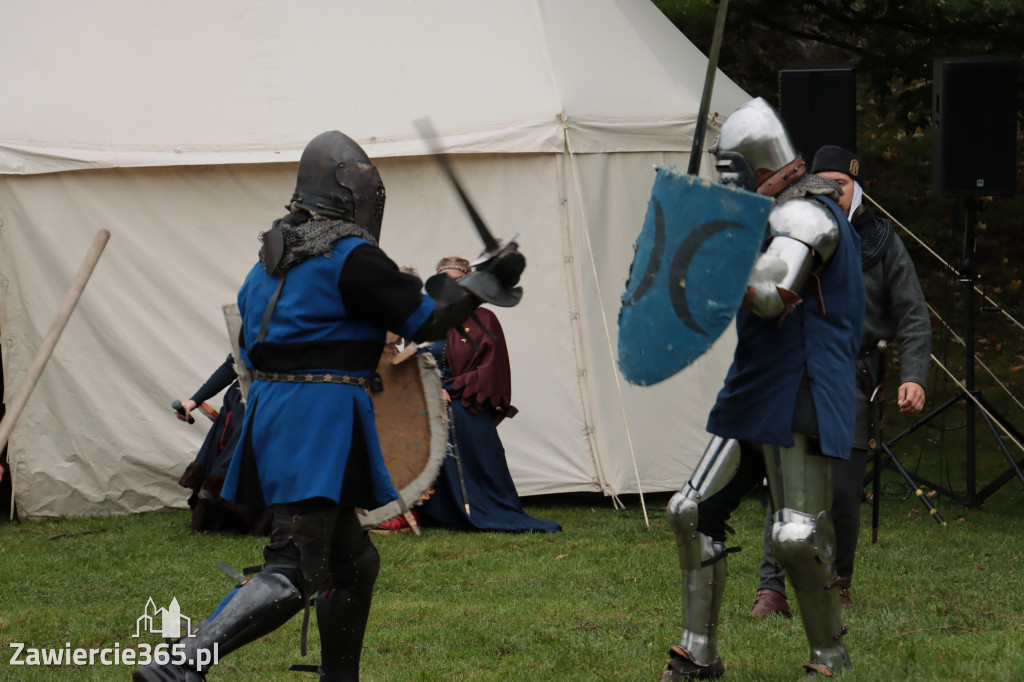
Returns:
(713,513)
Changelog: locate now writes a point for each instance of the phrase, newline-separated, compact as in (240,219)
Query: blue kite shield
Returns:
(689,274)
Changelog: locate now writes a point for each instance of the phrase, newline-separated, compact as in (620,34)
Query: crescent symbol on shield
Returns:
(681,266)
(657,251)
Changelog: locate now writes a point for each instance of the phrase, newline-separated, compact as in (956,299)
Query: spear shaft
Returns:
(709,84)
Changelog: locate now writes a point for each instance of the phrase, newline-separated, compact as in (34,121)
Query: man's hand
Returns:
(186,410)
(911,398)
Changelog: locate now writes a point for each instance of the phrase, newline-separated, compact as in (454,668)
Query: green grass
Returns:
(599,601)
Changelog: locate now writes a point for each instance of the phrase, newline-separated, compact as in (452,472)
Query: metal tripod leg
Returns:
(906,475)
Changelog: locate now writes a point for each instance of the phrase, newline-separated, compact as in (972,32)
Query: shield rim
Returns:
(412,493)
(233,320)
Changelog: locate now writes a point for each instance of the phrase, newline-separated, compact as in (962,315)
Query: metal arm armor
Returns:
(804,236)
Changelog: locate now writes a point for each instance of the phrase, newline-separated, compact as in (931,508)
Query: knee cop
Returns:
(801,539)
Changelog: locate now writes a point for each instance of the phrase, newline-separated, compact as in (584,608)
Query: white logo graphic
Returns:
(164,622)
(168,623)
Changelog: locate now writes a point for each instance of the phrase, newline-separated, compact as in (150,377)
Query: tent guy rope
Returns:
(988,370)
(970,396)
(939,258)
(604,317)
(945,324)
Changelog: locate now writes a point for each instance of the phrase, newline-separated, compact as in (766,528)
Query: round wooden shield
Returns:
(413,437)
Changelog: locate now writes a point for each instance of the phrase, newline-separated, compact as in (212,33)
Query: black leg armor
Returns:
(315,546)
(342,611)
(257,607)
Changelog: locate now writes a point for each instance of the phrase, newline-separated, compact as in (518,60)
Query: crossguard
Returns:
(501,248)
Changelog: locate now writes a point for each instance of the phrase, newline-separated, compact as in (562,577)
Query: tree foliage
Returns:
(892,44)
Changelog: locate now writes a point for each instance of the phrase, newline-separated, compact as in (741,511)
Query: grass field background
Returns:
(599,601)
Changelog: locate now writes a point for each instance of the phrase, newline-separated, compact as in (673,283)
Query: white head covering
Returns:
(858,195)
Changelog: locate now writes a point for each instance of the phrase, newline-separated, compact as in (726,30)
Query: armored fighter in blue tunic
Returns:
(786,411)
(315,311)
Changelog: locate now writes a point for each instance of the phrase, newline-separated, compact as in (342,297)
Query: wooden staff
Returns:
(17,404)
(709,84)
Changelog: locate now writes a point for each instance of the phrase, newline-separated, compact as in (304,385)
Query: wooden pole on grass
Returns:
(17,404)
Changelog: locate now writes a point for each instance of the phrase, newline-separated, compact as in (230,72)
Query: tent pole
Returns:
(16,405)
(709,84)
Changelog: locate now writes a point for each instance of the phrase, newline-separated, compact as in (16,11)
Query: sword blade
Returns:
(453,438)
(430,136)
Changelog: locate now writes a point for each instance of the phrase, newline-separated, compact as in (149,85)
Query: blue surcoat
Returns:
(298,438)
(759,397)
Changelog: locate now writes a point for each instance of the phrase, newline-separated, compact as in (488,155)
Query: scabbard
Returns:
(211,413)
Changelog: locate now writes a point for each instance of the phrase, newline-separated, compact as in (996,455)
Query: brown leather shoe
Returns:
(767,602)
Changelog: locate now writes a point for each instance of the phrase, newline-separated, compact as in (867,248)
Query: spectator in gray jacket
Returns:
(896,310)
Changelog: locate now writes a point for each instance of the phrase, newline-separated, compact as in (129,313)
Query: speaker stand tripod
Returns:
(970,398)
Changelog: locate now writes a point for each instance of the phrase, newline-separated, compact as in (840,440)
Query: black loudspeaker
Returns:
(819,107)
(974,126)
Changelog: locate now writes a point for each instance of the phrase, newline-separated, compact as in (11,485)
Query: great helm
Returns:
(755,132)
(337,180)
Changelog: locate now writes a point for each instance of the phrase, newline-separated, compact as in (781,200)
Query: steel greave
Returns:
(703,588)
(260,606)
(805,546)
(803,541)
(342,613)
(702,560)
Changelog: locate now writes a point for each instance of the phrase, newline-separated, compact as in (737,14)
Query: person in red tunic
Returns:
(474,490)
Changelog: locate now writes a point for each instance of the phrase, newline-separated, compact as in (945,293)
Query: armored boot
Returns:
(261,605)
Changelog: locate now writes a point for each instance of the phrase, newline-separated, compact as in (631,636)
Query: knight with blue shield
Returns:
(786,411)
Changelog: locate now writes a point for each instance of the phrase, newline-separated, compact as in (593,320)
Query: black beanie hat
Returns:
(834,158)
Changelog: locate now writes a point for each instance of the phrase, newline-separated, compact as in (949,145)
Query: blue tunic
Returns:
(298,438)
(759,398)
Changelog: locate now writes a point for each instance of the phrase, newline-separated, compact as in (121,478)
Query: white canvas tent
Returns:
(178,126)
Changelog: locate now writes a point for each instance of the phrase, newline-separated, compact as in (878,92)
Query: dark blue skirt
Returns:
(490,493)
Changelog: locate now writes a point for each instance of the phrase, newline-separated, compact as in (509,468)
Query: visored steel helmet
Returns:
(755,132)
(337,180)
